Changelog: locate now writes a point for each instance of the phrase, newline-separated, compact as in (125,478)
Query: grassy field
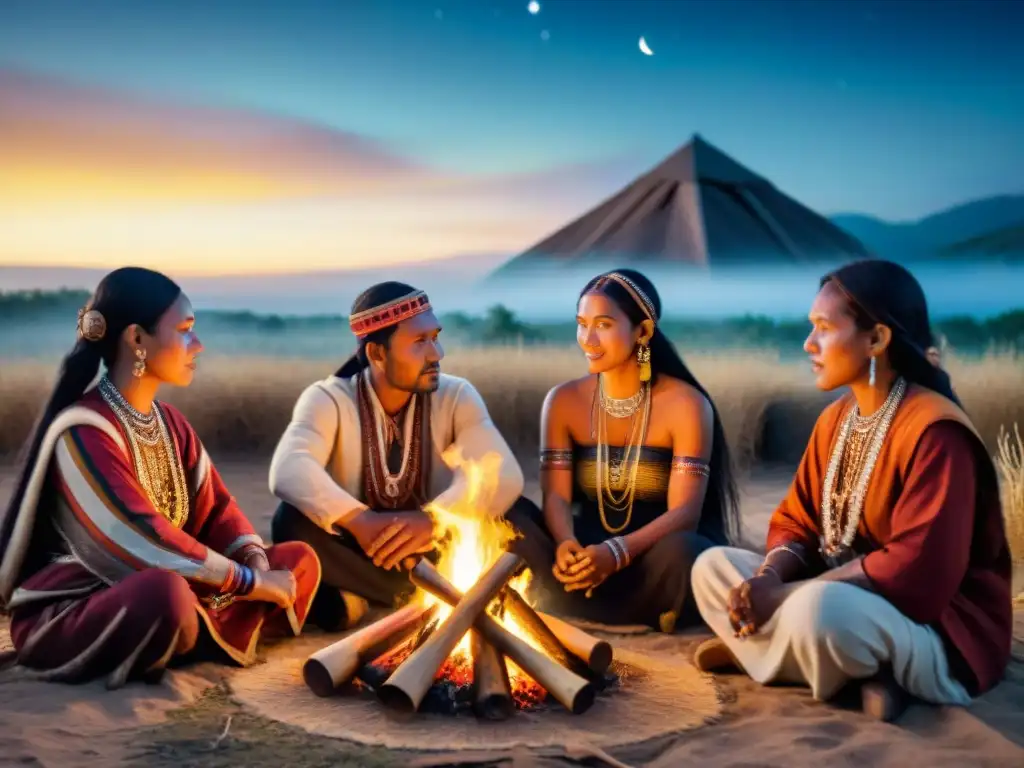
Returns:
(241,405)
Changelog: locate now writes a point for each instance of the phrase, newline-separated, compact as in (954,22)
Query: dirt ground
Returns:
(192,720)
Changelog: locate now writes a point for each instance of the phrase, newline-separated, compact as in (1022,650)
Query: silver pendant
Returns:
(615,472)
(391,488)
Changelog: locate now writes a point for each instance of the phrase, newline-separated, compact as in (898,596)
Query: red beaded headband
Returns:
(368,321)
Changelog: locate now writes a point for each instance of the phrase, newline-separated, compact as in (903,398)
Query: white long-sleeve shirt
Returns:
(318,463)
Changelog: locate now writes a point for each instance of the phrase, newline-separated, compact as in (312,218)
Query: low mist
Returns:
(303,316)
(779,291)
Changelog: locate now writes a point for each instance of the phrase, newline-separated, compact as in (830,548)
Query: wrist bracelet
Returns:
(765,567)
(250,551)
(619,551)
(615,553)
(620,543)
(240,580)
(248,581)
(627,558)
(787,548)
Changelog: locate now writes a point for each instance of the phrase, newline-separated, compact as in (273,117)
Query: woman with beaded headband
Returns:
(121,548)
(635,470)
(887,560)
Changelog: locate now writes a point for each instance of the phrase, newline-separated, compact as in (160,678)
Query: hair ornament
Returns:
(92,325)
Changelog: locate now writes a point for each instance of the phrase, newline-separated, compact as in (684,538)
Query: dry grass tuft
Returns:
(1010,463)
(768,406)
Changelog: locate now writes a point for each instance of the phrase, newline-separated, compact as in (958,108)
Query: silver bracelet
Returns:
(786,548)
(618,547)
(627,559)
(615,553)
(768,567)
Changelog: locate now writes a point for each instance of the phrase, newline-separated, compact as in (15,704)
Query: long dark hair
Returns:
(374,296)
(885,292)
(719,515)
(127,296)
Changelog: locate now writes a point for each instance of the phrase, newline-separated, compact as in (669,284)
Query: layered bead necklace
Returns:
(392,481)
(157,464)
(385,488)
(613,491)
(849,471)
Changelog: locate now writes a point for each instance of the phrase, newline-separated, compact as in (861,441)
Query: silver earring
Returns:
(871,372)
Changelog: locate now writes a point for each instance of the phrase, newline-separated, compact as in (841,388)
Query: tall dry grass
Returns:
(1010,463)
(240,406)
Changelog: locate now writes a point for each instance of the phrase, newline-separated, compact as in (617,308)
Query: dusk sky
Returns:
(252,136)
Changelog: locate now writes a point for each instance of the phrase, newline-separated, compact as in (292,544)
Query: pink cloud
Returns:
(68,141)
(76,138)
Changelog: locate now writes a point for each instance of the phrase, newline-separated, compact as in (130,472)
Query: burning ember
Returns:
(424,656)
(454,689)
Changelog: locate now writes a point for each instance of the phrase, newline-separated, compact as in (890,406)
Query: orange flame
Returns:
(477,540)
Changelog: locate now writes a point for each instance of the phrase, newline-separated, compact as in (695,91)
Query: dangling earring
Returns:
(871,372)
(139,367)
(643,358)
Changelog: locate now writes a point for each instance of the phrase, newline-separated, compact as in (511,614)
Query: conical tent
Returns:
(698,207)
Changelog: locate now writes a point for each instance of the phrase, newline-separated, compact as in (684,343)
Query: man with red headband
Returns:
(362,456)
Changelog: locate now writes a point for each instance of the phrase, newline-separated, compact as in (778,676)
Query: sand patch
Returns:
(83,725)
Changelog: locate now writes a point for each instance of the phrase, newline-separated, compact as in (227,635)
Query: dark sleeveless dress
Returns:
(655,588)
(649,502)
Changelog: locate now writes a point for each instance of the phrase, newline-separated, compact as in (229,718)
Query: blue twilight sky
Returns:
(896,108)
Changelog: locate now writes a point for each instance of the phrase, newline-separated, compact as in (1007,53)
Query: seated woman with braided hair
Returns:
(887,561)
(121,548)
(635,470)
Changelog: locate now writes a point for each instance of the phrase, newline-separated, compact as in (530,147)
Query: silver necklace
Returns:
(145,426)
(619,407)
(837,539)
(864,424)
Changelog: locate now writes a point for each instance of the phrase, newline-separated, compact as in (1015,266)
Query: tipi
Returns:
(699,207)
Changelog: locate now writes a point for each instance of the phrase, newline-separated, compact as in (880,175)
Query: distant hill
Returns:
(1006,243)
(934,236)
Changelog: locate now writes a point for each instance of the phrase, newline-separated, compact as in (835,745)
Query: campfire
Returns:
(469,637)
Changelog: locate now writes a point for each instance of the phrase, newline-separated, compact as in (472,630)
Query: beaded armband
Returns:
(688,465)
(555,458)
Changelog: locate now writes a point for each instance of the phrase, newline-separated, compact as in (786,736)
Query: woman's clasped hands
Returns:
(583,568)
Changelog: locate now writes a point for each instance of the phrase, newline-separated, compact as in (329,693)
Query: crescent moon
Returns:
(644,48)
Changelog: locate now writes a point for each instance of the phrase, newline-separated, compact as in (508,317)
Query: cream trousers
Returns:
(824,634)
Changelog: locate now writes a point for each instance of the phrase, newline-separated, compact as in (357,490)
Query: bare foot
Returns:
(883,699)
(335,610)
(714,655)
(356,608)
